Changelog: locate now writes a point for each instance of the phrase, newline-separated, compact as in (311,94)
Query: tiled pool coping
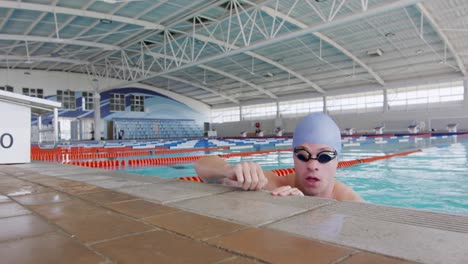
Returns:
(62,213)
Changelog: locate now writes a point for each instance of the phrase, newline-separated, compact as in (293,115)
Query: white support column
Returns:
(385,100)
(97,116)
(465,86)
(277,110)
(56,123)
(39,127)
(324,104)
(240,112)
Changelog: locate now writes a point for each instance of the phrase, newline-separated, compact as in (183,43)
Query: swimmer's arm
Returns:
(212,169)
(245,175)
(345,193)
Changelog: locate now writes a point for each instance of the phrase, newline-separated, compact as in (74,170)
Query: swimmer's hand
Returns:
(246,175)
(286,191)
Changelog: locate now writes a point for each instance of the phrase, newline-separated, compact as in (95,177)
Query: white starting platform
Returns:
(212,134)
(379,130)
(413,129)
(15,131)
(349,131)
(452,128)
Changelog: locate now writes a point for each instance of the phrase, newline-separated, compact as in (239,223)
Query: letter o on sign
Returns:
(6,140)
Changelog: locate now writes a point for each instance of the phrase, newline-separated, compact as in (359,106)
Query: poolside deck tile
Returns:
(160,247)
(107,196)
(16,172)
(174,191)
(83,188)
(48,248)
(58,182)
(64,171)
(245,211)
(86,177)
(369,258)
(35,176)
(70,208)
(12,209)
(141,208)
(96,227)
(125,229)
(23,226)
(42,198)
(4,199)
(21,189)
(265,196)
(117,183)
(405,241)
(239,260)
(194,225)
(12,181)
(279,247)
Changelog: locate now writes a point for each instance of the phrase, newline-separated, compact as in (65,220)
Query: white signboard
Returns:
(15,133)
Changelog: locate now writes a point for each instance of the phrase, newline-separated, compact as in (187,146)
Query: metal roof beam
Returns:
(202,87)
(231,76)
(275,13)
(77,12)
(442,35)
(326,25)
(262,58)
(58,41)
(36,59)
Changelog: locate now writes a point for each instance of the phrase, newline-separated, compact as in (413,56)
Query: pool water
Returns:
(435,179)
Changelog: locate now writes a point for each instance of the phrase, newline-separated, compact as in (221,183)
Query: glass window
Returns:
(88,101)
(230,114)
(252,112)
(6,88)
(360,102)
(117,102)
(67,98)
(301,107)
(39,93)
(425,96)
(137,103)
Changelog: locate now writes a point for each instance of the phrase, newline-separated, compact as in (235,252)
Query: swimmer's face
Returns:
(312,177)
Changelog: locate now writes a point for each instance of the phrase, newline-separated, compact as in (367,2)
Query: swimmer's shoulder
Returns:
(275,181)
(342,192)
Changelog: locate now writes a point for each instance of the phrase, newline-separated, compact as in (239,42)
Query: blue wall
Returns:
(157,106)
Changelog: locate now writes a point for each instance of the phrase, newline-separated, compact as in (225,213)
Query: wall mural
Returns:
(158,109)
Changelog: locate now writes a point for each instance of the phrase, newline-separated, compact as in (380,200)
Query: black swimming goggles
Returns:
(322,157)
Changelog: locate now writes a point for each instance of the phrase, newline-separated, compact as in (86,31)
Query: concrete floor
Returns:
(52,213)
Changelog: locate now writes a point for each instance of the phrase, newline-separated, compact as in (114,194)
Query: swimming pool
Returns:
(435,179)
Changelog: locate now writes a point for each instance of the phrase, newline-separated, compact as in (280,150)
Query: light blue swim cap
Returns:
(318,128)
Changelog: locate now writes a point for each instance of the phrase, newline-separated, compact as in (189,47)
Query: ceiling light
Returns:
(375,53)
(268,74)
(29,62)
(105,21)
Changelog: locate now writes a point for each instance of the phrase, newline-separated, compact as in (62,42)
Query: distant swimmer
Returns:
(316,148)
